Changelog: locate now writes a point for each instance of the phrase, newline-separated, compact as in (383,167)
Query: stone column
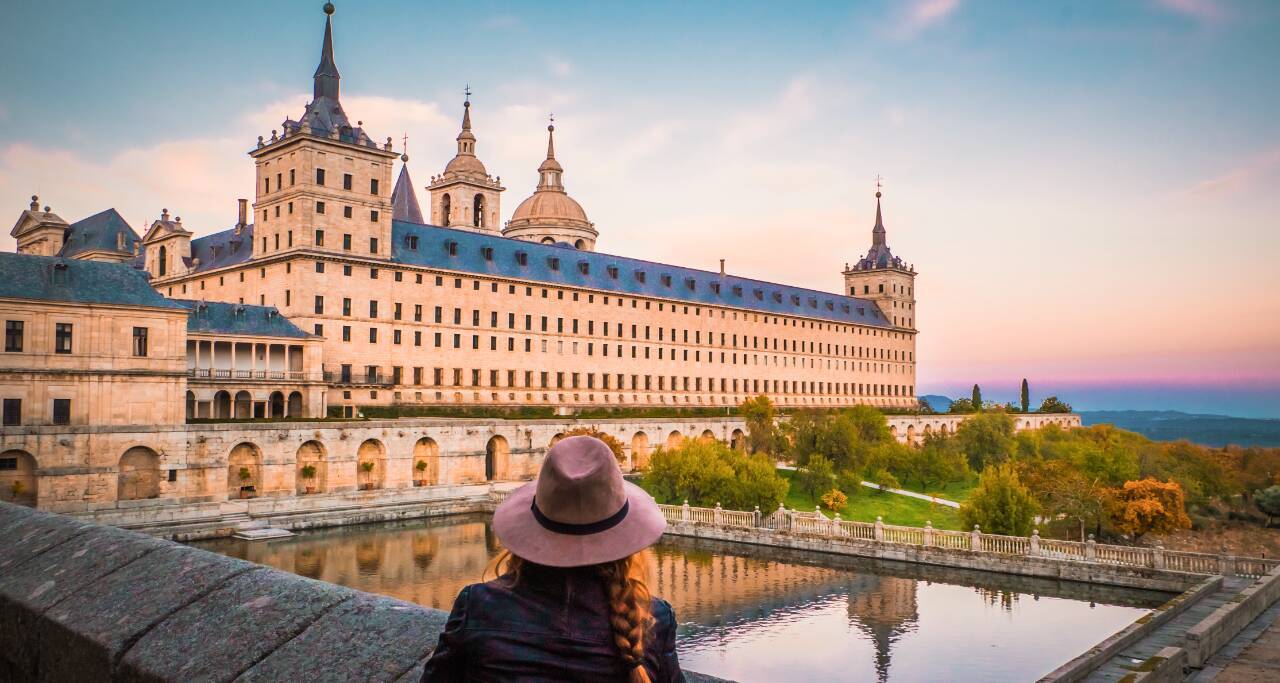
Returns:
(684,512)
(878,531)
(719,516)
(928,532)
(1091,549)
(1034,548)
(975,538)
(756,523)
(836,529)
(1157,557)
(1226,563)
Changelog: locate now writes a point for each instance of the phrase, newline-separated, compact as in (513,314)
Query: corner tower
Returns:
(884,278)
(322,183)
(551,215)
(465,196)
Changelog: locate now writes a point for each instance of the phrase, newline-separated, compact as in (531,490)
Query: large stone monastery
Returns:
(377,302)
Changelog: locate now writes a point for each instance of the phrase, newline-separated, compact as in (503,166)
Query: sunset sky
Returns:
(1090,191)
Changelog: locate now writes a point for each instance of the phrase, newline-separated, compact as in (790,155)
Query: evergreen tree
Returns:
(1026,396)
(1000,504)
(977,398)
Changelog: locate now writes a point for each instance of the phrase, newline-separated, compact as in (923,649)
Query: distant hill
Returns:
(940,404)
(1171,425)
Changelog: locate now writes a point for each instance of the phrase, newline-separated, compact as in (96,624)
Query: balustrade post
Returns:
(1035,543)
(878,532)
(784,519)
(1226,563)
(756,517)
(836,529)
(928,532)
(975,538)
(684,512)
(1157,557)
(1090,549)
(718,516)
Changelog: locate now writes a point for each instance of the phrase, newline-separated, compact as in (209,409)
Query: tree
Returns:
(1026,396)
(1268,501)
(977,398)
(1000,504)
(761,419)
(938,461)
(709,472)
(923,407)
(1053,405)
(961,406)
(986,438)
(816,475)
(1147,505)
(608,439)
(834,500)
(1065,491)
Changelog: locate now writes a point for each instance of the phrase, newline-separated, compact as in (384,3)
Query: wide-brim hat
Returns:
(579,511)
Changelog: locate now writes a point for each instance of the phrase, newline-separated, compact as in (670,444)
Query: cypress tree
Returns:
(1026,396)
(977,398)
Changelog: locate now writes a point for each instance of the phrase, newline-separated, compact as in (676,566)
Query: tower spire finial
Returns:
(466,109)
(404,149)
(551,133)
(326,76)
(878,232)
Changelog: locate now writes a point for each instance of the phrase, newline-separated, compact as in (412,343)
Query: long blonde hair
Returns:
(630,602)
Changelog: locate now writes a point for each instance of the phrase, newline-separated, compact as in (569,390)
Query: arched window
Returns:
(477,211)
(548,240)
(446,206)
(163,261)
(579,244)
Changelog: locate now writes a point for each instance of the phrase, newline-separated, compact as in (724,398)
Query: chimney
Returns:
(243,221)
(722,266)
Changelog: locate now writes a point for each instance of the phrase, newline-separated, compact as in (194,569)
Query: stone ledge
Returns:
(1215,630)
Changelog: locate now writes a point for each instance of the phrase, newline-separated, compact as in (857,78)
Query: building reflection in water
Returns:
(754,617)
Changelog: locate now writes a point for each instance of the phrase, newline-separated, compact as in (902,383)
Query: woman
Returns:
(569,601)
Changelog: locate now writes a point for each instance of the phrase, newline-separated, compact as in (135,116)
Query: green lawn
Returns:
(867,503)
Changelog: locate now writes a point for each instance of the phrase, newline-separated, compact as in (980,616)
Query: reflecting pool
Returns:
(761,614)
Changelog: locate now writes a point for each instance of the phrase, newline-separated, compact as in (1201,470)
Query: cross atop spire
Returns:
(878,232)
(404,149)
(326,76)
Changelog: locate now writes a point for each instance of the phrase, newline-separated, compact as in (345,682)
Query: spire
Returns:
(466,110)
(550,170)
(326,77)
(878,232)
(466,139)
(404,201)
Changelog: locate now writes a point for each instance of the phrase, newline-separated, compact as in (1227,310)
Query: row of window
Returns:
(13,411)
(347,181)
(619,382)
(15,338)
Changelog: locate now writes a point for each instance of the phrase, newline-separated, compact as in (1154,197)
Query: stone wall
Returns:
(83,602)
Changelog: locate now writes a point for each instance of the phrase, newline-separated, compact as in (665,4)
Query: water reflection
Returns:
(752,613)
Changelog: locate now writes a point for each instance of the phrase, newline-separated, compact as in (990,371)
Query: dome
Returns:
(466,164)
(548,206)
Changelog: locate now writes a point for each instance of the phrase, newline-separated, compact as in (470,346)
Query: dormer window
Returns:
(737,290)
(691,283)
(813,302)
(451,247)
(844,307)
(795,299)
(831,305)
(777,297)
(584,267)
(640,276)
(411,242)
(715,287)
(487,253)
(613,272)
(666,280)
(758,294)
(553,263)
(862,311)
(522,258)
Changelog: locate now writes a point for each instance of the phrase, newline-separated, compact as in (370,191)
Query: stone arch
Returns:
(707,436)
(19,483)
(312,454)
(738,440)
(371,464)
(928,429)
(446,208)
(579,244)
(191,404)
(426,451)
(222,405)
(639,451)
(674,439)
(138,474)
(244,459)
(477,211)
(162,262)
(548,240)
(893,431)
(497,456)
(555,440)
(295,407)
(243,405)
(911,434)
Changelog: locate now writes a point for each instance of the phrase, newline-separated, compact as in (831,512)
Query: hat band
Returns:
(579,529)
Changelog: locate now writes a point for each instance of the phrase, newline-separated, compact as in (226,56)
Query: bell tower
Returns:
(323,183)
(884,278)
(465,196)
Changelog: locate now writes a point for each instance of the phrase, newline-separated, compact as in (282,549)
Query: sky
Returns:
(1090,191)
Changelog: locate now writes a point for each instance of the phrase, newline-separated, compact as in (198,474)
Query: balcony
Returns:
(371,379)
(216,374)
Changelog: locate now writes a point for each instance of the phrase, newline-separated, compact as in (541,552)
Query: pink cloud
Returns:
(1242,176)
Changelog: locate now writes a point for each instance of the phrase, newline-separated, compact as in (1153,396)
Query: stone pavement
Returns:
(1252,657)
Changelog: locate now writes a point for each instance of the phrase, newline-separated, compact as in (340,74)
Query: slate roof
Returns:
(552,264)
(53,278)
(98,233)
(223,249)
(216,317)
(404,201)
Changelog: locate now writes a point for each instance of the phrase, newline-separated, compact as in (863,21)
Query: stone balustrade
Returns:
(815,524)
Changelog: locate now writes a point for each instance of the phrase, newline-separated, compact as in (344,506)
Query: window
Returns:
(12,336)
(291,176)
(319,176)
(61,411)
(373,241)
(346,212)
(319,241)
(346,333)
(346,181)
(319,330)
(411,241)
(373,186)
(140,342)
(373,335)
(522,258)
(319,207)
(12,411)
(346,242)
(373,309)
(319,304)
(62,338)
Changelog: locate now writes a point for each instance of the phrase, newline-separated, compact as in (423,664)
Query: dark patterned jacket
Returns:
(551,626)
